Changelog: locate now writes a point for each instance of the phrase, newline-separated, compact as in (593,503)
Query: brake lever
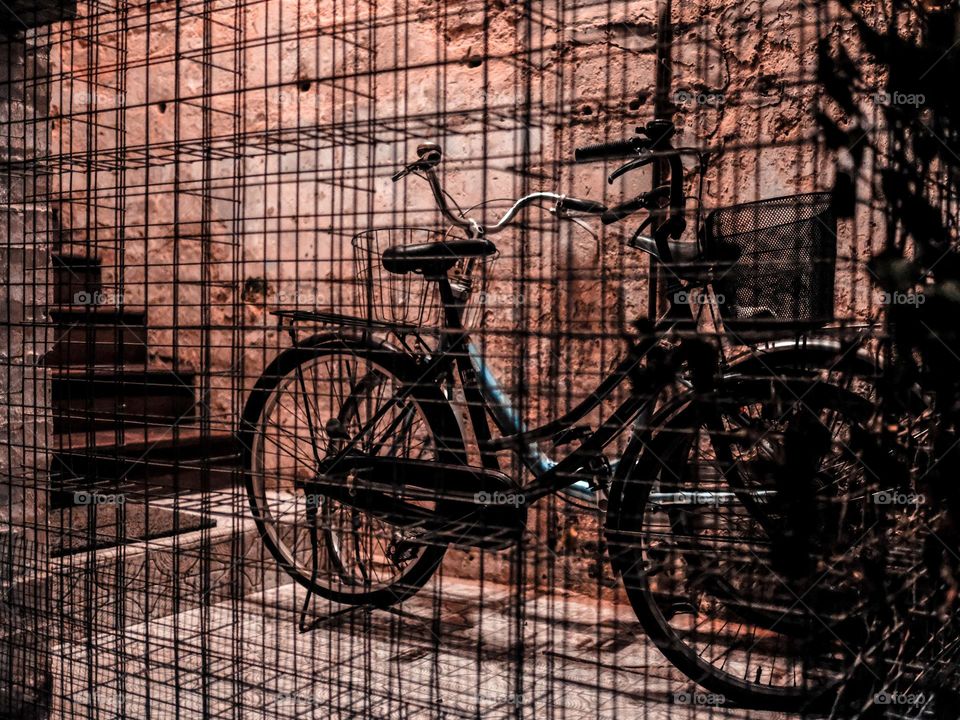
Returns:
(401,174)
(645,200)
(645,159)
(579,222)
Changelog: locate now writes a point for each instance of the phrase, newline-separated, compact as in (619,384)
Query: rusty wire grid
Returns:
(456,359)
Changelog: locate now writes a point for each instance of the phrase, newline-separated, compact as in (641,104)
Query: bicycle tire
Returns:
(428,398)
(643,462)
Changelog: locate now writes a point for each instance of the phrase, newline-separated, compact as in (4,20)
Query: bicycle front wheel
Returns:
(310,402)
(741,563)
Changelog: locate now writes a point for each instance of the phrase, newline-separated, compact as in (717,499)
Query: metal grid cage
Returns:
(176,171)
(774,263)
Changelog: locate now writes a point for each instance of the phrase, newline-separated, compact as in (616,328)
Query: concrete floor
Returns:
(459,658)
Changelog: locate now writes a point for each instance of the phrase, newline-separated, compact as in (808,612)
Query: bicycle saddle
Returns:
(434,258)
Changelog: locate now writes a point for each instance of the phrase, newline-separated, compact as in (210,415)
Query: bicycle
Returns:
(372,480)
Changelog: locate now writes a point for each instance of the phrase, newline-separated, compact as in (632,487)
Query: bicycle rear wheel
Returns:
(742,564)
(308,403)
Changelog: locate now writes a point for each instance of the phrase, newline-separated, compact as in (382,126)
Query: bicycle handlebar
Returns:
(655,145)
(427,168)
(628,147)
(643,150)
(585,206)
(563,203)
(657,134)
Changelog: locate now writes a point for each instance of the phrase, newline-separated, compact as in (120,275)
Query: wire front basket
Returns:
(774,263)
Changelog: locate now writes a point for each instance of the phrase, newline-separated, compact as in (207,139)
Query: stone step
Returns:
(102,525)
(77,280)
(97,336)
(143,463)
(197,551)
(105,397)
(19,15)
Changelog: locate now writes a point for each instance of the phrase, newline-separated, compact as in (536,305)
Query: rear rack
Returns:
(332,318)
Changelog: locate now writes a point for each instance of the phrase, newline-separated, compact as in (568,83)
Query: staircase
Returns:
(123,421)
(19,15)
(134,531)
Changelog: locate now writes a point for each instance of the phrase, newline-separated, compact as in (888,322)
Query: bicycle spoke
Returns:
(355,552)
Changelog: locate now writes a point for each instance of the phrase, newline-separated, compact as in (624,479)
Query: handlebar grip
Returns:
(584,206)
(627,147)
(619,212)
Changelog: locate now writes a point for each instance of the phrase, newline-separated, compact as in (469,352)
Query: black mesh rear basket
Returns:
(774,263)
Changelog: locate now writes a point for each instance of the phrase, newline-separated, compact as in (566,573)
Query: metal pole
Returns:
(662,109)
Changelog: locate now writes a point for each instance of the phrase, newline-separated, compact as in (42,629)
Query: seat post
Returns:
(451,306)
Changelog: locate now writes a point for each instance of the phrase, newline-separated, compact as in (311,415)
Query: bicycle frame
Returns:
(522,439)
(483,396)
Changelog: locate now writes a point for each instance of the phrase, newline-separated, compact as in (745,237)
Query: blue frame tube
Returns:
(508,420)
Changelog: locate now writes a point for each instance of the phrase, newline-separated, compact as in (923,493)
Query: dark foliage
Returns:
(907,125)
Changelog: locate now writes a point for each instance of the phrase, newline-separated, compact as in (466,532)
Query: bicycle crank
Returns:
(472,506)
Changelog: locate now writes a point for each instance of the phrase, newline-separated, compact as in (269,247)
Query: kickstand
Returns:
(314,571)
(319,622)
(314,562)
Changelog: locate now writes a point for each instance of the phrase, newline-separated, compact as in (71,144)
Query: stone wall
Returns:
(24,415)
(744,85)
(324,102)
(254,146)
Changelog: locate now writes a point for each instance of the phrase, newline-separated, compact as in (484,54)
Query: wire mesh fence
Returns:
(415,358)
